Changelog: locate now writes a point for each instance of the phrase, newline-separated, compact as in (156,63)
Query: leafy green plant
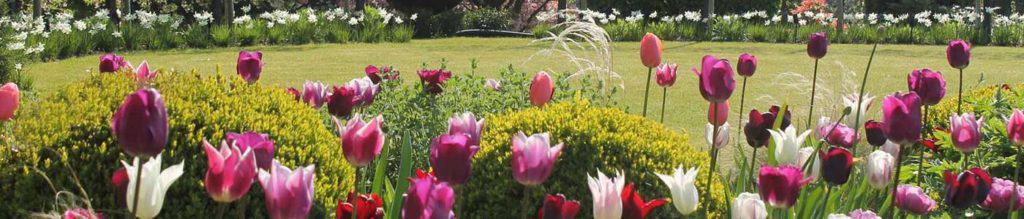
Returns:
(487,18)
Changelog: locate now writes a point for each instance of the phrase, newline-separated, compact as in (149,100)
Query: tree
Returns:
(112,8)
(37,8)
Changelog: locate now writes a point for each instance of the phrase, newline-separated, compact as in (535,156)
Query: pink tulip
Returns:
(1015,127)
(716,79)
(666,74)
(140,124)
(314,93)
(1002,196)
(230,172)
(112,62)
(901,114)
(373,73)
(958,53)
(541,89)
(250,65)
(718,114)
(451,156)
(863,214)
(928,84)
(81,213)
(428,198)
(288,194)
(494,85)
(780,186)
(914,200)
(259,143)
(747,65)
(836,133)
(650,50)
(466,124)
(10,98)
(533,158)
(365,89)
(361,142)
(965,132)
(817,45)
(142,73)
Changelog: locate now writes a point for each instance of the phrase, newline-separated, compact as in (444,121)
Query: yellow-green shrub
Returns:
(73,124)
(595,138)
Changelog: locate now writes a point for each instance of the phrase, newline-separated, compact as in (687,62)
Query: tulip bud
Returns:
(650,50)
(684,192)
(288,193)
(928,84)
(721,138)
(229,173)
(958,53)
(817,45)
(880,165)
(361,142)
(112,62)
(120,183)
(666,74)
(250,65)
(875,132)
(749,206)
(836,165)
(813,171)
(10,98)
(901,115)
(541,89)
(718,113)
(716,81)
(914,200)
(451,156)
(780,186)
(965,132)
(968,188)
(1015,127)
(140,124)
(747,65)
(533,158)
(558,207)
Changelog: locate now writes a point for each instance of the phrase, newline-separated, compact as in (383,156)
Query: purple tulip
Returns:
(716,80)
(112,62)
(666,74)
(433,79)
(1015,127)
(250,65)
(140,124)
(494,85)
(542,88)
(875,132)
(260,144)
(968,188)
(914,200)
(361,142)
(288,194)
(1002,196)
(928,84)
(837,133)
(533,158)
(428,198)
(958,53)
(451,156)
(965,132)
(343,101)
(836,165)
(757,128)
(817,45)
(901,114)
(230,172)
(747,65)
(466,124)
(314,93)
(780,186)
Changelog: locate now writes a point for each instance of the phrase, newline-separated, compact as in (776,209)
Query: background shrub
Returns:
(68,132)
(488,19)
(991,103)
(605,139)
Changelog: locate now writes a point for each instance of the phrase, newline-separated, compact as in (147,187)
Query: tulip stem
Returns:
(960,94)
(824,202)
(896,182)
(220,209)
(355,195)
(664,98)
(525,212)
(743,95)
(860,96)
(1013,195)
(714,154)
(814,156)
(647,90)
(242,203)
(920,161)
(814,86)
(753,162)
(138,183)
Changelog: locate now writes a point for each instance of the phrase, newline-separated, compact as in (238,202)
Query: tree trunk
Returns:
(14,6)
(112,8)
(561,6)
(217,7)
(229,11)
(842,15)
(37,8)
(127,4)
(708,17)
(986,23)
(360,5)
(583,5)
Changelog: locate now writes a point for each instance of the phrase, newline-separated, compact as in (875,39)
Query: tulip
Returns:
(153,186)
(650,50)
(928,84)
(314,93)
(757,128)
(466,124)
(230,172)
(607,195)
(142,72)
(748,206)
(684,193)
(140,124)
(914,200)
(120,183)
(428,198)
(716,80)
(494,85)
(813,171)
(343,101)
(365,89)
(112,62)
(1004,194)
(558,207)
(370,207)
(860,106)
(295,93)
(250,65)
(876,132)
(361,142)
(718,113)
(9,100)
(958,53)
(968,188)
(787,145)
(720,139)
(836,165)
(533,158)
(633,206)
(965,132)
(891,148)
(817,45)
(747,65)
(1015,127)
(541,89)
(260,144)
(780,185)
(901,114)
(863,214)
(879,169)
(433,80)
(373,73)
(288,193)
(666,75)
(451,156)
(81,213)
(837,134)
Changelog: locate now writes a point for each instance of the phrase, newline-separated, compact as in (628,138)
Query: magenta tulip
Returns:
(747,65)
(875,132)
(650,50)
(260,144)
(112,62)
(451,156)
(716,79)
(466,124)
(780,186)
(81,213)
(836,165)
(817,45)
(433,80)
(119,182)
(250,65)
(1002,196)
(928,84)
(666,75)
(10,98)
(958,53)
(914,200)
(1015,127)
(288,194)
(365,89)
(757,128)
(343,101)
(901,114)
(361,142)
(558,207)
(314,93)
(965,132)
(541,89)
(718,113)
(140,124)
(230,172)
(373,73)
(533,158)
(142,73)
(968,188)
(427,198)
(837,133)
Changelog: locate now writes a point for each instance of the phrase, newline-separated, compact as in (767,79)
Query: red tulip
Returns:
(373,73)
(259,143)
(433,79)
(836,165)
(875,132)
(230,171)
(780,186)
(716,79)
(817,45)
(958,53)
(295,92)
(541,89)
(140,124)
(747,65)
(558,207)
(451,156)
(633,206)
(968,188)
(370,207)
(112,62)
(120,183)
(1015,127)
(901,114)
(342,101)
(250,65)
(650,50)
(928,84)
(666,74)
(718,114)
(10,98)
(361,142)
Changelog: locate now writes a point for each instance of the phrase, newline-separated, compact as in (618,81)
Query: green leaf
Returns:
(378,172)
(405,170)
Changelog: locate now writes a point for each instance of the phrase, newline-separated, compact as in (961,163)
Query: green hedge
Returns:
(72,126)
(598,138)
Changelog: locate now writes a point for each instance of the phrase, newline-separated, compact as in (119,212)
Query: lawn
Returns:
(778,78)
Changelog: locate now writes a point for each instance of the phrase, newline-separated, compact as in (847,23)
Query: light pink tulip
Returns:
(533,158)
(10,98)
(230,172)
(361,142)
(542,89)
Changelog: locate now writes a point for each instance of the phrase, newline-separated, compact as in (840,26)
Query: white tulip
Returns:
(684,193)
(787,145)
(722,137)
(749,206)
(154,185)
(879,169)
(862,107)
(890,147)
(838,216)
(814,170)
(607,194)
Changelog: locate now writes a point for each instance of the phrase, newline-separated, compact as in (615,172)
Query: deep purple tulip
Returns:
(260,144)
(876,133)
(965,132)
(958,53)
(250,65)
(542,88)
(901,114)
(343,101)
(140,124)
(666,74)
(466,124)
(288,193)
(119,181)
(451,156)
(914,200)
(427,198)
(361,142)
(817,45)
(837,133)
(1015,127)
(112,62)
(433,79)
(558,207)
(928,84)
(315,94)
(716,79)
(533,158)
(747,65)
(780,186)
(836,165)
(757,128)
(968,188)
(230,172)
(1002,196)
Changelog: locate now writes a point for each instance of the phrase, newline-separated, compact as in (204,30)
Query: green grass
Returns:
(686,110)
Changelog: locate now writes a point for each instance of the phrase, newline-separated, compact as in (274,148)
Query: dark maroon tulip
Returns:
(716,80)
(250,65)
(261,144)
(451,156)
(373,73)
(120,183)
(901,114)
(968,188)
(112,63)
(295,92)
(140,124)
(341,103)
(817,45)
(836,165)
(928,84)
(876,133)
(747,65)
(433,79)
(558,207)
(958,53)
(757,128)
